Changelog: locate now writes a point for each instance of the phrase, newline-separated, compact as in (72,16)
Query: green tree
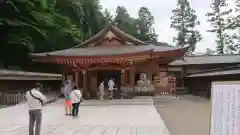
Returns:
(30,26)
(234,47)
(184,21)
(209,52)
(218,19)
(125,22)
(108,17)
(145,23)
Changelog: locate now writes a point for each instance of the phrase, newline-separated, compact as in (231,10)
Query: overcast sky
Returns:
(162,11)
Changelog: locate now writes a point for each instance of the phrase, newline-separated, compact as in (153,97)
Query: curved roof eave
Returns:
(177,51)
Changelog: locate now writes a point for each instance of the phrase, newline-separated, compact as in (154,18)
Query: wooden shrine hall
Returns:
(112,53)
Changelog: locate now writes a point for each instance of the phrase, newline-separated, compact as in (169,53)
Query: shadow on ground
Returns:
(186,115)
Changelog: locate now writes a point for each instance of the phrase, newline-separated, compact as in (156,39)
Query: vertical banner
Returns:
(225,110)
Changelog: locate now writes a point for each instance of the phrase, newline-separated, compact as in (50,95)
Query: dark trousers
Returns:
(35,116)
(75,107)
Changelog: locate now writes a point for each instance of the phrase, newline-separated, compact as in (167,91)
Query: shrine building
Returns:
(112,53)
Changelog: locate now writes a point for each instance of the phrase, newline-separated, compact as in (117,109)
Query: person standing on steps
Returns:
(76,98)
(101,90)
(111,85)
(35,100)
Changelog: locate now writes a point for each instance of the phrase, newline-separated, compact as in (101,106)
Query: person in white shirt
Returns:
(111,85)
(76,97)
(35,100)
(101,90)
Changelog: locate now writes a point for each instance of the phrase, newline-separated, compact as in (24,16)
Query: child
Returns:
(67,102)
(68,105)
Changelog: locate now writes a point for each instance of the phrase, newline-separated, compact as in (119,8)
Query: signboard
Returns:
(225,111)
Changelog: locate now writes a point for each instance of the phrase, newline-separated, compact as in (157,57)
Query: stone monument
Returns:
(143,84)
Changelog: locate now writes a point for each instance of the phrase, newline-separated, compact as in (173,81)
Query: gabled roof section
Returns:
(110,32)
(207,59)
(231,70)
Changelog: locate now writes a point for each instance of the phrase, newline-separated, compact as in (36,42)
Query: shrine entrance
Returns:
(105,76)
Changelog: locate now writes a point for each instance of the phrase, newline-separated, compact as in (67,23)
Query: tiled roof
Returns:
(216,73)
(107,50)
(95,47)
(213,59)
(230,70)
(115,30)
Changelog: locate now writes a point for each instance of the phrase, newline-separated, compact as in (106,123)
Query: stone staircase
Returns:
(131,102)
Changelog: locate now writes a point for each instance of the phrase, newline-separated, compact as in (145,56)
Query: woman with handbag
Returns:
(76,98)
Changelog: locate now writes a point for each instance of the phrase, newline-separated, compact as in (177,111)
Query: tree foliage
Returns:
(184,20)
(47,25)
(145,23)
(219,20)
(234,24)
(140,27)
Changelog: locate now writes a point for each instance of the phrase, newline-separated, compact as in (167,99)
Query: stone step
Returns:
(117,102)
(165,99)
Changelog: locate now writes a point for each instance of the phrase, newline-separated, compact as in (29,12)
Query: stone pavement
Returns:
(187,115)
(92,120)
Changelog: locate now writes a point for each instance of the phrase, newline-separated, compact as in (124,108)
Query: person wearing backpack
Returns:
(35,100)
(76,98)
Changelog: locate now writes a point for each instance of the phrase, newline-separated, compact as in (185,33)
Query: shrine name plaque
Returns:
(225,108)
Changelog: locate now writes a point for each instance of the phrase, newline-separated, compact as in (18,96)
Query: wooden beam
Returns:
(122,77)
(84,73)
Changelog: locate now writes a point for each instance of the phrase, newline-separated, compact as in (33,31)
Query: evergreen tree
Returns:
(235,26)
(108,17)
(145,23)
(218,19)
(184,21)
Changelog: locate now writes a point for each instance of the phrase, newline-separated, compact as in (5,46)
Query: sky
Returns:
(162,11)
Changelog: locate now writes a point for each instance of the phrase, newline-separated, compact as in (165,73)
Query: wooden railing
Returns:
(10,98)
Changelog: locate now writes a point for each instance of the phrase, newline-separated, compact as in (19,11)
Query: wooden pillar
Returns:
(126,77)
(76,75)
(132,77)
(84,73)
(132,80)
(123,77)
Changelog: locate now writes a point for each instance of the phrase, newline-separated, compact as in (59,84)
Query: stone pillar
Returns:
(76,75)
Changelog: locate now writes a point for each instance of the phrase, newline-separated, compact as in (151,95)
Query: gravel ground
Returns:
(188,115)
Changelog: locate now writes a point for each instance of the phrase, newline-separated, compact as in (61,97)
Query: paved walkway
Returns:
(93,120)
(188,115)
